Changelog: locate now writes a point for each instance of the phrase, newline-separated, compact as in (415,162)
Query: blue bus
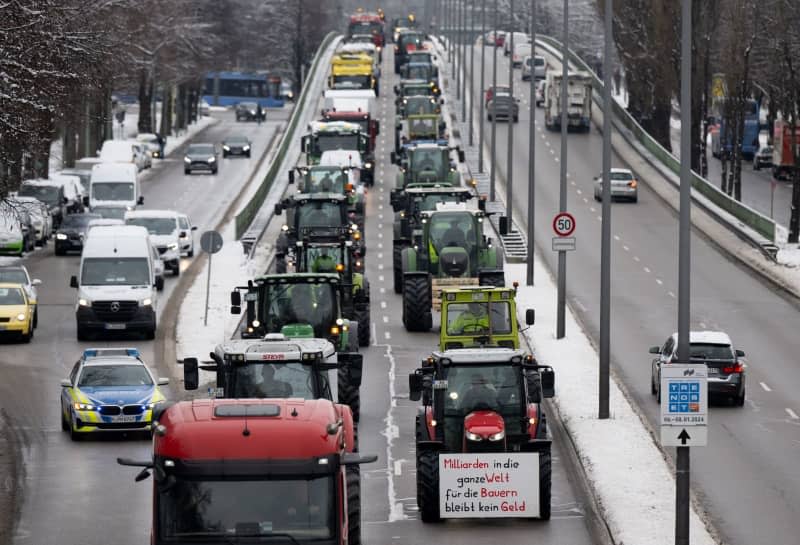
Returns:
(721,137)
(231,88)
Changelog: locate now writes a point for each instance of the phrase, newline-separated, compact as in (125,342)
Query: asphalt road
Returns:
(747,477)
(387,417)
(74,493)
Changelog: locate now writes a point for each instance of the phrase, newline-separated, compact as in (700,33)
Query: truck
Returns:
(252,470)
(482,407)
(369,125)
(783,157)
(722,135)
(277,366)
(579,100)
(332,135)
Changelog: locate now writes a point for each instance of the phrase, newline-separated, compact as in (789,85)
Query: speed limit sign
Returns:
(563,224)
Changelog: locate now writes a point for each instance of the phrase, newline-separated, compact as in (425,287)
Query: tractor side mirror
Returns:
(291,177)
(86,201)
(482,204)
(655,350)
(548,382)
(191,376)
(354,365)
(278,209)
(530,316)
(159,283)
(140,200)
(503,225)
(73,281)
(461,156)
(397,89)
(414,386)
(236,302)
(393,158)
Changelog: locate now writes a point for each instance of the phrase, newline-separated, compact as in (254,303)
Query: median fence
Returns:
(749,217)
(245,217)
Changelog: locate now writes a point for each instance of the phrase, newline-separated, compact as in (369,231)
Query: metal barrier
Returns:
(748,216)
(245,217)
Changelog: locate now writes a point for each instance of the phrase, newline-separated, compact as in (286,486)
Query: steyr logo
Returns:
(688,372)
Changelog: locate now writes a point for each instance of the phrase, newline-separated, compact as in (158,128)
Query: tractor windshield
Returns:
(228,509)
(333,141)
(312,303)
(352,82)
(421,105)
(429,165)
(422,128)
(326,181)
(324,259)
(260,380)
(452,230)
(478,318)
(420,71)
(428,203)
(319,214)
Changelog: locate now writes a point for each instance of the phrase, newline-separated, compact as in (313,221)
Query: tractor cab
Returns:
(315,211)
(480,317)
(332,135)
(415,128)
(278,367)
(479,400)
(418,105)
(426,162)
(415,87)
(421,71)
(298,305)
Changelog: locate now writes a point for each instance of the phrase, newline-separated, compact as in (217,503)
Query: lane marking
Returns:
(616,237)
(592,209)
(380,245)
(398,467)
(671,294)
(625,248)
(585,200)
(385,319)
(383,304)
(380,278)
(647,270)
(380,255)
(659,282)
(383,290)
(792,414)
(391,432)
(387,335)
(766,388)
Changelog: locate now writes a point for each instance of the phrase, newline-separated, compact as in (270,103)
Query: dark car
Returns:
(248,111)
(236,145)
(69,237)
(200,157)
(491,90)
(503,106)
(726,372)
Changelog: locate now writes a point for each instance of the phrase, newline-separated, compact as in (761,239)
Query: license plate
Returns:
(124,419)
(713,372)
(115,326)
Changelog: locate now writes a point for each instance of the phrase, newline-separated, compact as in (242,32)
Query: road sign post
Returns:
(563,227)
(211,243)
(684,405)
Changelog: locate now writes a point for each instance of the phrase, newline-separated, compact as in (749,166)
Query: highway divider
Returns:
(244,219)
(749,217)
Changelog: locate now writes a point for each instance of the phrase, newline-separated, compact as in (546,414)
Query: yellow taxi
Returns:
(16,311)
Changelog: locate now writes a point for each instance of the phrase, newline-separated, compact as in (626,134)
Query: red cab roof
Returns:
(214,429)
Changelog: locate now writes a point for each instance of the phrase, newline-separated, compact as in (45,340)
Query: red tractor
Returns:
(233,470)
(481,407)
(368,23)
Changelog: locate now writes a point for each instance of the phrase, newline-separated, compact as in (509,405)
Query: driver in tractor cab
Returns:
(480,393)
(269,386)
(302,305)
(475,319)
(326,183)
(324,262)
(454,236)
(426,162)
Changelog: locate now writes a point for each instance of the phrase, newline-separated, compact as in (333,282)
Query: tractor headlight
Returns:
(256,323)
(226,148)
(499,436)
(21,317)
(472,436)
(61,236)
(172,246)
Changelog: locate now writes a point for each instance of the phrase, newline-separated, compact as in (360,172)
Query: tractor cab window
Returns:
(262,380)
(418,72)
(478,318)
(319,214)
(352,82)
(421,105)
(229,510)
(452,230)
(429,163)
(326,181)
(429,202)
(309,303)
(323,259)
(424,127)
(328,142)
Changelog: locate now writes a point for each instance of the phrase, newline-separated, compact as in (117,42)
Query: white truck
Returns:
(579,100)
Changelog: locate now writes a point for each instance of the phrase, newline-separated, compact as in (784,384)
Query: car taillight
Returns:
(737,368)
(633,183)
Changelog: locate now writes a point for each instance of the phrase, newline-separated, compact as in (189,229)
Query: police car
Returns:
(109,389)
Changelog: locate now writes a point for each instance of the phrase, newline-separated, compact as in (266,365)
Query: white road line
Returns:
(380,278)
(380,216)
(766,388)
(791,413)
(380,235)
(398,467)
(380,245)
(387,335)
(380,266)
(383,290)
(592,209)
(385,319)
(703,325)
(383,304)
(616,237)
(599,218)
(380,255)
(659,282)
(671,294)
(578,191)
(391,432)
(647,270)
(380,207)
(625,248)
(585,200)
(636,259)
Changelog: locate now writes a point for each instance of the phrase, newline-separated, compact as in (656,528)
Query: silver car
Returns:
(624,185)
(503,106)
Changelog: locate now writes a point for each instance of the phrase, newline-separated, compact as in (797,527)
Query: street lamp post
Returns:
(471,75)
(562,200)
(492,164)
(510,146)
(531,153)
(481,89)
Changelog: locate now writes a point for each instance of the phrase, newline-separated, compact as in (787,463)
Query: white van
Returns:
(114,184)
(116,283)
(123,151)
(164,232)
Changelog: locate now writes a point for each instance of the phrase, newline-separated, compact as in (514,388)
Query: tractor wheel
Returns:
(364,326)
(428,485)
(353,506)
(349,394)
(417,303)
(497,280)
(352,337)
(397,262)
(545,484)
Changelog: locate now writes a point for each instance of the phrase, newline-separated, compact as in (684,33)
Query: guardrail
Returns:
(748,216)
(245,217)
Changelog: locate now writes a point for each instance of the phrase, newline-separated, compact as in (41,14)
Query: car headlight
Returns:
(61,236)
(187,160)
(245,148)
(84,302)
(368,165)
(226,148)
(146,302)
(150,405)
(85,407)
(172,246)
(499,436)
(21,317)
(472,436)
(256,323)
(252,112)
(212,159)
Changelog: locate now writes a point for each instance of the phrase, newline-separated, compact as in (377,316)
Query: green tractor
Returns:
(333,135)
(426,163)
(333,251)
(416,128)
(309,211)
(475,317)
(332,179)
(418,105)
(408,206)
(299,305)
(277,366)
(450,250)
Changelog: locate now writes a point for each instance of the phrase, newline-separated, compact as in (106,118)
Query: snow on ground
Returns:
(627,470)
